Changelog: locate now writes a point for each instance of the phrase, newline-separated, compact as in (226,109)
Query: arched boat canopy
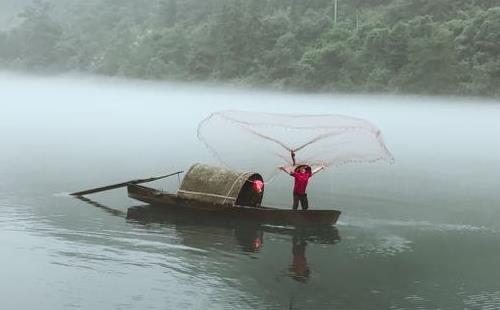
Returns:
(220,186)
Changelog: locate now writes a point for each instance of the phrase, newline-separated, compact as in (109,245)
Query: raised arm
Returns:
(318,169)
(286,171)
(292,153)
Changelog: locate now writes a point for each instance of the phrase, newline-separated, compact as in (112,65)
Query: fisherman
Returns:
(301,174)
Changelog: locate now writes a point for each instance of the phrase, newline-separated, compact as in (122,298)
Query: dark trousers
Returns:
(303,201)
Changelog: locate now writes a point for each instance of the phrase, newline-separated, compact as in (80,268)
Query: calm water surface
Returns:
(420,234)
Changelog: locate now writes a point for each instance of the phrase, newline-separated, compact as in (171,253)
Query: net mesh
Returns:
(262,141)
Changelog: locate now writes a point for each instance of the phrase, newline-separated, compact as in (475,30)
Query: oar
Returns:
(123,184)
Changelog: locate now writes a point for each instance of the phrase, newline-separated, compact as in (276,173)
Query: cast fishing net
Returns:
(262,141)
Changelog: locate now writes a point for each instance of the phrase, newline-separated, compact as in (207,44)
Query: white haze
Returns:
(61,130)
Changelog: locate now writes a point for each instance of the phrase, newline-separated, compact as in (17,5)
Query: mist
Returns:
(100,92)
(444,147)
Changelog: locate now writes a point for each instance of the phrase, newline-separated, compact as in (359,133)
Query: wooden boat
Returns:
(222,192)
(262,214)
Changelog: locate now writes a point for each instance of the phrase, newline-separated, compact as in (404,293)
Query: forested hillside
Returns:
(397,46)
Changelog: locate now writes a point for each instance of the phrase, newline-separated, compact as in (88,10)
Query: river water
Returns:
(420,234)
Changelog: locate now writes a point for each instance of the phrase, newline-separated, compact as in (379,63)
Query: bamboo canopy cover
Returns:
(220,186)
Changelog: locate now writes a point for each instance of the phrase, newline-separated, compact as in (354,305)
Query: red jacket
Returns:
(301,180)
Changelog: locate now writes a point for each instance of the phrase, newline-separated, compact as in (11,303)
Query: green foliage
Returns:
(33,44)
(398,46)
(431,60)
(479,50)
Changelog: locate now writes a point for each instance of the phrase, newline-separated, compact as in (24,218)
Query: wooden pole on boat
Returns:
(123,184)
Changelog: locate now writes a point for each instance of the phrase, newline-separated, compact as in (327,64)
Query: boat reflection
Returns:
(196,230)
(199,230)
(249,235)
(96,204)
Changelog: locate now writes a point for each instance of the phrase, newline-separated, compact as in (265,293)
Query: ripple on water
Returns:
(15,216)
(389,245)
(483,301)
(105,250)
(420,225)
(416,302)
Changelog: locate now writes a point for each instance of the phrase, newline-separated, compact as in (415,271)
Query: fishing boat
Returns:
(227,193)
(216,191)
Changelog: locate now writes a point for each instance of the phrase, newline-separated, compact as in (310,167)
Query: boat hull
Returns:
(261,214)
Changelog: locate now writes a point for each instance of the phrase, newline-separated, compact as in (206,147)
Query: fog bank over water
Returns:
(63,130)
(419,234)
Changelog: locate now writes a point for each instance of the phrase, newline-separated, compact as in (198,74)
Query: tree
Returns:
(170,12)
(411,46)
(432,63)
(34,40)
(479,48)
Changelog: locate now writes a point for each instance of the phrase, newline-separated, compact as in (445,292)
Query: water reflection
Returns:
(227,233)
(248,235)
(299,270)
(101,206)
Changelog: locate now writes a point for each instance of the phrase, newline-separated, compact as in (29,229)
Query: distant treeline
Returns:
(397,46)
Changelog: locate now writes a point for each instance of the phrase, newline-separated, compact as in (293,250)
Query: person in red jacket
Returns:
(301,174)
